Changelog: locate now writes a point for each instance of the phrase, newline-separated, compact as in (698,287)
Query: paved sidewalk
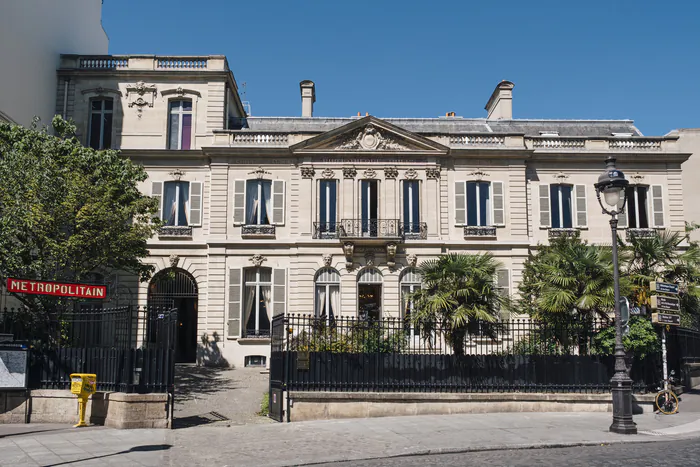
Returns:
(322,441)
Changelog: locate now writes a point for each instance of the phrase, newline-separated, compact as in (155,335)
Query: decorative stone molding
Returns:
(432,173)
(259,173)
(561,177)
(257,260)
(177,174)
(327,260)
(348,250)
(100,91)
(328,173)
(174,261)
(349,172)
(369,173)
(369,259)
(391,173)
(636,178)
(412,260)
(370,138)
(140,95)
(308,172)
(179,91)
(411,174)
(478,175)
(391,255)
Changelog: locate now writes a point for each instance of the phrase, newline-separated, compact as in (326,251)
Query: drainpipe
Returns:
(65,98)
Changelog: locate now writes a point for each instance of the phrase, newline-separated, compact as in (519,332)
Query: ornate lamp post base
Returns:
(622,406)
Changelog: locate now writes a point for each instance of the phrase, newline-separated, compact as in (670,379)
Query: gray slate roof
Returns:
(457,125)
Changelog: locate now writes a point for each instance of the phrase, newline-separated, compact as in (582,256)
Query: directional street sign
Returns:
(666,318)
(666,303)
(664,287)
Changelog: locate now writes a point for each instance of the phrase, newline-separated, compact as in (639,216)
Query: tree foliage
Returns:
(459,291)
(67,211)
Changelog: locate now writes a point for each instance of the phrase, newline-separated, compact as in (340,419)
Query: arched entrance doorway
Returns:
(176,288)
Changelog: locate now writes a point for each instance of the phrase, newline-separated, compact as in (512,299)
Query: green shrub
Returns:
(641,339)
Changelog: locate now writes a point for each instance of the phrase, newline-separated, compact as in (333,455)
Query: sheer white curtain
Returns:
(170,203)
(248,307)
(266,292)
(184,203)
(335,301)
(320,301)
(267,198)
(251,202)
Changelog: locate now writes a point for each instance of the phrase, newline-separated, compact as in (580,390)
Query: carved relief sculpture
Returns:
(328,173)
(411,174)
(370,139)
(412,260)
(370,173)
(391,255)
(307,172)
(327,260)
(369,259)
(140,95)
(348,250)
(174,261)
(391,172)
(259,173)
(432,173)
(478,175)
(177,174)
(349,172)
(258,259)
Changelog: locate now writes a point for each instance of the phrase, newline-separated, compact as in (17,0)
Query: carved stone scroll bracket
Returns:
(349,172)
(307,172)
(258,259)
(391,255)
(348,251)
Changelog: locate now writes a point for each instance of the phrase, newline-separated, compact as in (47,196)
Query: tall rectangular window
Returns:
(328,204)
(637,207)
(411,206)
(176,203)
(478,203)
(561,206)
(257,304)
(258,202)
(370,207)
(180,124)
(100,131)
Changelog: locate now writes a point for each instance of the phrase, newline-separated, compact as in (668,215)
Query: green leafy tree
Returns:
(642,339)
(67,211)
(458,291)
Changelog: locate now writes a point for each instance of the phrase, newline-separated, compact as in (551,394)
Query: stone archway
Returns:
(176,288)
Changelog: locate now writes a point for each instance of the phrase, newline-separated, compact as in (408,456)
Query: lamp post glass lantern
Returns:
(612,185)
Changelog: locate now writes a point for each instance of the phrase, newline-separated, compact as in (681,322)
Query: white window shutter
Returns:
(581,206)
(498,203)
(157,193)
(622,218)
(195,216)
(460,203)
(278,202)
(657,205)
(503,281)
(234,302)
(545,214)
(239,202)
(279,283)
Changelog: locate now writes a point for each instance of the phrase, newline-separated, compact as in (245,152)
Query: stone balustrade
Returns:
(145,62)
(635,144)
(555,143)
(262,139)
(478,140)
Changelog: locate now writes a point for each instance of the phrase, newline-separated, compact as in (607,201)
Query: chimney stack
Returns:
(500,104)
(308,97)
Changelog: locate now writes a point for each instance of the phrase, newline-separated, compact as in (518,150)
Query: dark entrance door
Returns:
(176,288)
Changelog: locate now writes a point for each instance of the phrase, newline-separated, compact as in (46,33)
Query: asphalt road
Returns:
(659,454)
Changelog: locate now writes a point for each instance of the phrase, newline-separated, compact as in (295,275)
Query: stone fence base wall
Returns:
(333,405)
(114,409)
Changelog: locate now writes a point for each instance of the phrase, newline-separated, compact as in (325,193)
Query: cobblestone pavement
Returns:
(205,395)
(662,454)
(280,444)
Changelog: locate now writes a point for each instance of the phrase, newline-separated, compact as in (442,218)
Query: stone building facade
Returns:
(270,215)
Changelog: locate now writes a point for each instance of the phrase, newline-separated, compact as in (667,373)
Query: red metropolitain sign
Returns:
(55,288)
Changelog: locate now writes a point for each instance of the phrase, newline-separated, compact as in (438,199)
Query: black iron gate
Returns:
(278,368)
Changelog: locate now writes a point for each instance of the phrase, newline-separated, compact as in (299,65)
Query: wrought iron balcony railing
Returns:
(326,230)
(414,230)
(557,233)
(259,334)
(369,228)
(640,233)
(479,231)
(255,230)
(181,231)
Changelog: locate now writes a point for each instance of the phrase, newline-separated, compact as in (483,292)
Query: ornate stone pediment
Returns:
(369,134)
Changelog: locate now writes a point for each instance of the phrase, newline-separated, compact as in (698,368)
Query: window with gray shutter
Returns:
(234,302)
(503,288)
(460,204)
(581,206)
(657,205)
(279,282)
(195,203)
(622,218)
(278,202)
(239,202)
(545,214)
(157,192)
(499,211)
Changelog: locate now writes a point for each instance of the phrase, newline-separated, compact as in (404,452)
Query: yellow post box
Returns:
(82,385)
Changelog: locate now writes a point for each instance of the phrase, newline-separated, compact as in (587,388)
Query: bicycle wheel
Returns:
(667,402)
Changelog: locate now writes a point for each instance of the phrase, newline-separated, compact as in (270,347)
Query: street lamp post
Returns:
(612,183)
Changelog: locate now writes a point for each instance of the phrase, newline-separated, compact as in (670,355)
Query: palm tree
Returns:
(458,291)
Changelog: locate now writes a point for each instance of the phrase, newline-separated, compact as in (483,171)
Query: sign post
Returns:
(671,304)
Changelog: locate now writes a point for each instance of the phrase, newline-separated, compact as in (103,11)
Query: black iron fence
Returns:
(347,354)
(130,350)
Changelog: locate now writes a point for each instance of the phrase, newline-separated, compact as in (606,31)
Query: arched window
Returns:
(257,304)
(369,294)
(369,276)
(327,297)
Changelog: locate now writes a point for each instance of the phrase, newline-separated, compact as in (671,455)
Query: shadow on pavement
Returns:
(197,420)
(143,448)
(191,380)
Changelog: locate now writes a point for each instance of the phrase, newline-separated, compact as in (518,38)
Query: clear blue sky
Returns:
(582,59)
